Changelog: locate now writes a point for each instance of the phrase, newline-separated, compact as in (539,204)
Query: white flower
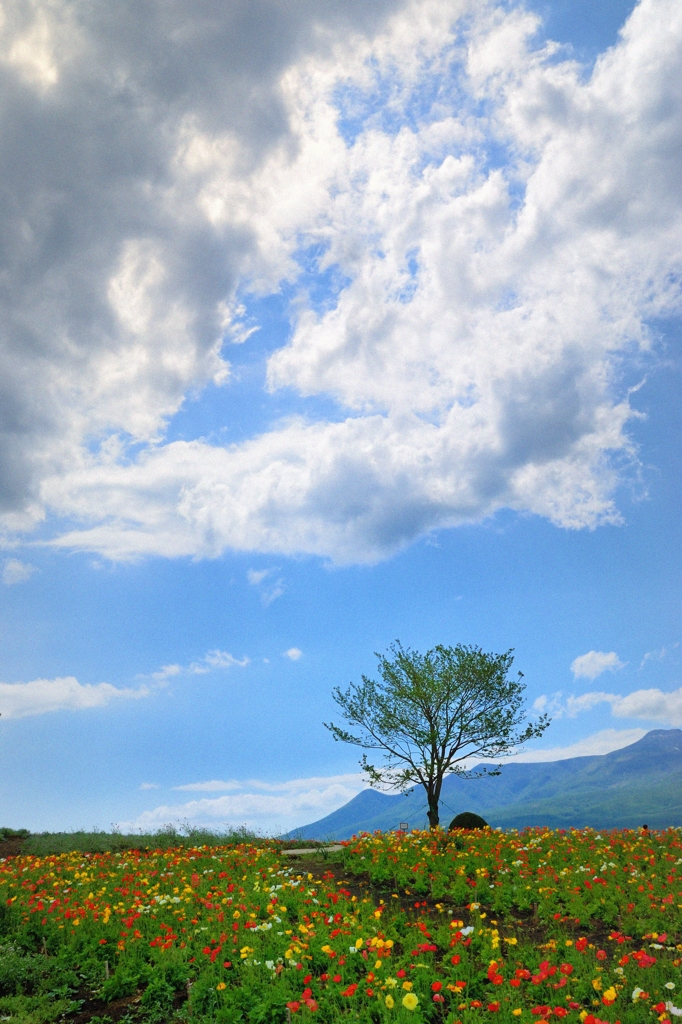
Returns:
(636,993)
(675,1010)
(467,931)
(352,949)
(670,985)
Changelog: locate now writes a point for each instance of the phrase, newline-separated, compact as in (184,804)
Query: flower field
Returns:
(535,926)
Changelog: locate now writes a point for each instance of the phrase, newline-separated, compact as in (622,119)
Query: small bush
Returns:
(467,819)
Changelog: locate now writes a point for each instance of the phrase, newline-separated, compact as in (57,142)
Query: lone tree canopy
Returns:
(430,712)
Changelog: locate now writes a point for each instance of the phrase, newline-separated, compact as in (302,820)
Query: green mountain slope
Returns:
(624,789)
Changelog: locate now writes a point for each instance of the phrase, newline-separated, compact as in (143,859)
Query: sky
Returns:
(325,326)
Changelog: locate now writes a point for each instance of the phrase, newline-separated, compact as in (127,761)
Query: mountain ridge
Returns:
(637,784)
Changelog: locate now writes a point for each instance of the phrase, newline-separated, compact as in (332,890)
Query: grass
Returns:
(42,844)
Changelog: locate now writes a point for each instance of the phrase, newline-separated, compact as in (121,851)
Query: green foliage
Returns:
(431,712)
(169,837)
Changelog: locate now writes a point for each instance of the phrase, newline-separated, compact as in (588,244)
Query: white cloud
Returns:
(293,654)
(149,785)
(602,742)
(271,807)
(217,660)
(484,313)
(650,705)
(592,664)
(14,571)
(40,696)
(166,672)
(273,588)
(211,661)
(255,577)
(214,786)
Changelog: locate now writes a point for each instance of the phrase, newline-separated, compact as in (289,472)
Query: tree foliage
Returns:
(429,712)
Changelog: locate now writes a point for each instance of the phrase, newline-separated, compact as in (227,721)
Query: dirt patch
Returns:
(11,847)
(522,924)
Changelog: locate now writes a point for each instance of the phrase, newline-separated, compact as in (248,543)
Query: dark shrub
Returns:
(467,819)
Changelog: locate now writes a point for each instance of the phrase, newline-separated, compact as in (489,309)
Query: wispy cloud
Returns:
(15,571)
(658,655)
(602,742)
(649,705)
(270,806)
(269,587)
(213,661)
(592,664)
(293,654)
(149,785)
(40,696)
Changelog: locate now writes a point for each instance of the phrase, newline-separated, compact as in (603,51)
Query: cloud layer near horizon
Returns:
(278,807)
(484,317)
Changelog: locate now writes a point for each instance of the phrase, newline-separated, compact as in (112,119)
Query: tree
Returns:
(430,712)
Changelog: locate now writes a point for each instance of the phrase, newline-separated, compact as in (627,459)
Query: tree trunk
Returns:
(434,818)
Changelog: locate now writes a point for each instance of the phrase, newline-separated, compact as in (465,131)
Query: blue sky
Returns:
(322,331)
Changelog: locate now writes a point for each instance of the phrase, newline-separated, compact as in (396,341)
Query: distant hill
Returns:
(624,789)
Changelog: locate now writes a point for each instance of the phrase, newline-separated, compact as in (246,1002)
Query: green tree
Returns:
(430,712)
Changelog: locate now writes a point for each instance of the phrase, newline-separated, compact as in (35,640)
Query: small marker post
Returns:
(404,826)
(106,969)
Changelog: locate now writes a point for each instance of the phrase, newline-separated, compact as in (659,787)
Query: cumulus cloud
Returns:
(271,807)
(592,664)
(481,315)
(40,696)
(293,654)
(15,571)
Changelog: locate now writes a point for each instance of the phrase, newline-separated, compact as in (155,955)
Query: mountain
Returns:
(624,789)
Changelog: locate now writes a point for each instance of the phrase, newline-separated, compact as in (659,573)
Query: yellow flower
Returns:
(410,1001)
(596,984)
(359,943)
(377,965)
(391,982)
(611,994)
(221,986)
(390,1002)
(517,1012)
(407,985)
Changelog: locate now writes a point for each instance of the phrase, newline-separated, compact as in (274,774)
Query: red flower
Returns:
(337,978)
(436,986)
(566,968)
(438,998)
(601,955)
(581,945)
(350,991)
(493,1007)
(294,1006)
